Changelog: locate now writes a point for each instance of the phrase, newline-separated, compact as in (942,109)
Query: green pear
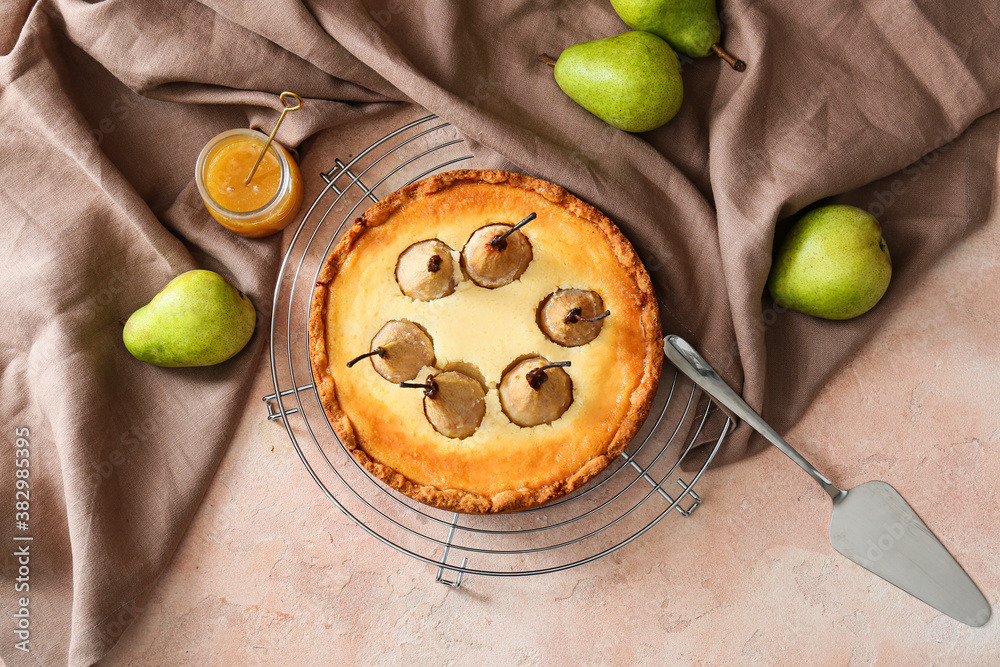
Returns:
(198,319)
(631,81)
(833,264)
(692,27)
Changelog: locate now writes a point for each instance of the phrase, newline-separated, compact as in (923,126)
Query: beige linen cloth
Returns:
(884,104)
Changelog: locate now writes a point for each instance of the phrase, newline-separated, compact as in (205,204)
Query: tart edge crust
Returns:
(457,500)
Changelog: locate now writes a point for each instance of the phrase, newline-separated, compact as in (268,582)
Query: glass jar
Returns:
(274,195)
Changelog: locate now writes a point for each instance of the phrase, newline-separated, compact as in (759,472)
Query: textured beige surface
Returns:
(270,572)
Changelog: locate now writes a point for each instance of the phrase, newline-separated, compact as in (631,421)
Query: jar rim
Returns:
(199,174)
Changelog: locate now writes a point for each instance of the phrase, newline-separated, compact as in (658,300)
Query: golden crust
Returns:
(506,500)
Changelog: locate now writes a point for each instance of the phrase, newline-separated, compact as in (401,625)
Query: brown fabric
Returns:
(105,106)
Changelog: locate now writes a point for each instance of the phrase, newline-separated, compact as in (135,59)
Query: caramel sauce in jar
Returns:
(264,206)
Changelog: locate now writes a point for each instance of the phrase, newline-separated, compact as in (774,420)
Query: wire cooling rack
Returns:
(633,494)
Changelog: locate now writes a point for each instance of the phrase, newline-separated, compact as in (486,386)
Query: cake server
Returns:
(872,525)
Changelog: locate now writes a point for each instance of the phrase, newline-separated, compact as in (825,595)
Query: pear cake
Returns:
(484,341)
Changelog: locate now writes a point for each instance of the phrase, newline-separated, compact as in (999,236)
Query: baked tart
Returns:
(484,341)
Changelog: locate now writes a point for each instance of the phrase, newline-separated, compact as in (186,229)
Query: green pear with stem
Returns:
(197,319)
(631,81)
(833,264)
(692,27)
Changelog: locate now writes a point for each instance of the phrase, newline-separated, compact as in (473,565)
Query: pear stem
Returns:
(547,59)
(430,387)
(733,61)
(380,351)
(537,377)
(573,316)
(500,242)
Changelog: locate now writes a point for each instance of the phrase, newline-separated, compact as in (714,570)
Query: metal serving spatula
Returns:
(872,524)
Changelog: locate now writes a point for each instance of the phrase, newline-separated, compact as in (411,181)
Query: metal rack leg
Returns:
(444,558)
(688,490)
(273,413)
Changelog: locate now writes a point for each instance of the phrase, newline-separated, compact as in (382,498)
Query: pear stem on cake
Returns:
(500,241)
(573,316)
(430,387)
(537,377)
(733,61)
(380,351)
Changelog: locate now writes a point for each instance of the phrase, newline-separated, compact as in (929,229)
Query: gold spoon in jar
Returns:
(286,108)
